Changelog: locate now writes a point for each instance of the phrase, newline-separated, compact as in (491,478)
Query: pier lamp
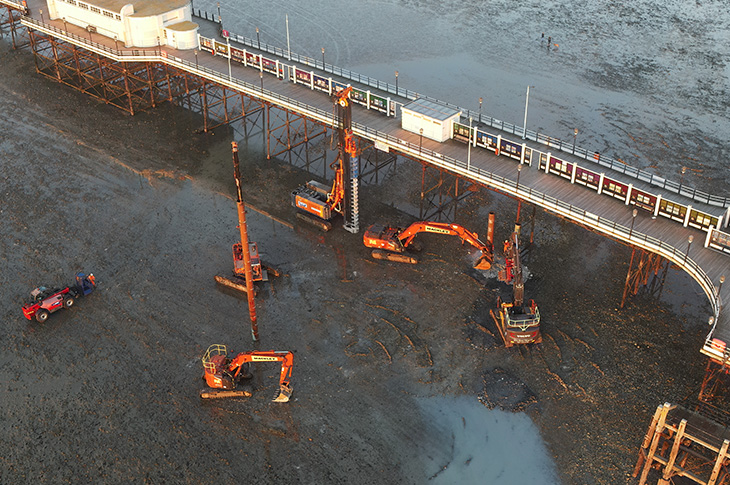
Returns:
(519,171)
(396,83)
(261,76)
(575,135)
(689,243)
(228,44)
(468,148)
(722,280)
(480,110)
(681,179)
(634,213)
(196,58)
(116,43)
(711,320)
(323,58)
(64,24)
(258,38)
(41,11)
(527,100)
(420,141)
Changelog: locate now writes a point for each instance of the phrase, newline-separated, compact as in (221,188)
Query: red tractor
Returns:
(45,301)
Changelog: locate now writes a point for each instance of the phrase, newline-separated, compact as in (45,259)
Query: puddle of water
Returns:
(485,446)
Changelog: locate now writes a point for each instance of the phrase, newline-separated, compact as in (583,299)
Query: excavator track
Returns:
(233,282)
(323,225)
(222,393)
(397,257)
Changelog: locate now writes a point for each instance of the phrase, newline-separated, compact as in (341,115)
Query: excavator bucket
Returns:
(483,263)
(284,394)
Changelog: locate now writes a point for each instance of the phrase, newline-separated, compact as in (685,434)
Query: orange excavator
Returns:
(317,203)
(518,323)
(222,372)
(391,242)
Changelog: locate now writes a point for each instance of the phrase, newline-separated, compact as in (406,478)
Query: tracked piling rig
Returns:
(243,262)
(518,321)
(318,204)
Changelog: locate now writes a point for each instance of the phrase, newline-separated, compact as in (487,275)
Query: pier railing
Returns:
(549,141)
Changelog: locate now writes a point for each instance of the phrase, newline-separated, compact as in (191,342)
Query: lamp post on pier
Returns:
(575,136)
(288,44)
(420,141)
(41,11)
(681,180)
(468,148)
(323,58)
(480,109)
(634,213)
(196,59)
(228,45)
(689,243)
(64,25)
(527,100)
(519,171)
(719,287)
(258,38)
(396,83)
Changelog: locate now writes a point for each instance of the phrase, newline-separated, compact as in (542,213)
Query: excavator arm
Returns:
(285,357)
(407,235)
(397,239)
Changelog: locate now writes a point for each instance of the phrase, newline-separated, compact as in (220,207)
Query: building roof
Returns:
(183,26)
(431,109)
(142,8)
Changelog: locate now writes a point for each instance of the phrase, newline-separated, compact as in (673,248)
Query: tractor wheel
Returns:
(68,302)
(41,315)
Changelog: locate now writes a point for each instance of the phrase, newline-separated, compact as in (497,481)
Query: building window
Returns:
(108,14)
(83,5)
(118,17)
(95,9)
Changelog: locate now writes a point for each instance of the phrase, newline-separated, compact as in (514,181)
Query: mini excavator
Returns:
(518,323)
(222,373)
(316,203)
(391,243)
(258,269)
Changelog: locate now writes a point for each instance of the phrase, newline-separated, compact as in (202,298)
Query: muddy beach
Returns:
(399,375)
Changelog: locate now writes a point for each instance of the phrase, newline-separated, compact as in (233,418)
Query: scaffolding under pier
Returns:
(684,443)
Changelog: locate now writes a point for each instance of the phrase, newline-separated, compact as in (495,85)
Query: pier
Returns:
(229,77)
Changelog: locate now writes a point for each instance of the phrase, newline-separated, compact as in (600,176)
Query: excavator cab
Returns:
(214,366)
